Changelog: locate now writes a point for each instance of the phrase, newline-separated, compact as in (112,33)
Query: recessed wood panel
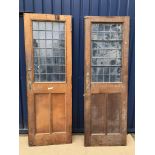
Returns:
(42,113)
(98,113)
(58,112)
(113,113)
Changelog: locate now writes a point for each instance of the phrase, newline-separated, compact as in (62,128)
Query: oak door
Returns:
(106,80)
(49,72)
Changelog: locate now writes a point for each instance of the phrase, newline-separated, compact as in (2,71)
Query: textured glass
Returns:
(35,35)
(49,51)
(41,25)
(48,25)
(106,46)
(41,34)
(35,26)
(48,35)
(49,43)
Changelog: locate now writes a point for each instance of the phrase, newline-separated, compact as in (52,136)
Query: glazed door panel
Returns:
(106,80)
(49,73)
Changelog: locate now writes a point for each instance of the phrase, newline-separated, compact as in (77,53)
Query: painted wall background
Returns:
(78,9)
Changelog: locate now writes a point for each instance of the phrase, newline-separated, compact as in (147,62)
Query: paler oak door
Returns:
(49,78)
(106,80)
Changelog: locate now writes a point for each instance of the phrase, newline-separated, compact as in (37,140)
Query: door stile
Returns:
(87,89)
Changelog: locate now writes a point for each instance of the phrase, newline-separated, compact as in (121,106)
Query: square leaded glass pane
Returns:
(49,51)
(106,49)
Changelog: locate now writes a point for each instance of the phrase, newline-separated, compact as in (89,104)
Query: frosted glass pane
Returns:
(35,25)
(55,26)
(48,25)
(41,25)
(62,27)
(41,34)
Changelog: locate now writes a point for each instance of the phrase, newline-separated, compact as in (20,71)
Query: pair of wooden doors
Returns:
(48,50)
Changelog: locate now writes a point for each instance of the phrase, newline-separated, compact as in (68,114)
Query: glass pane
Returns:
(106,52)
(106,35)
(48,25)
(106,70)
(42,69)
(106,78)
(35,25)
(49,69)
(62,77)
(97,70)
(55,26)
(42,43)
(36,68)
(49,77)
(94,36)
(42,77)
(62,26)
(49,60)
(61,44)
(48,43)
(41,34)
(55,77)
(55,35)
(101,27)
(41,25)
(36,77)
(35,43)
(113,62)
(114,35)
(114,78)
(42,60)
(107,27)
(100,78)
(48,34)
(36,52)
(95,27)
(62,35)
(114,27)
(59,52)
(42,52)
(101,35)
(49,51)
(35,35)
(55,43)
(115,70)
(35,60)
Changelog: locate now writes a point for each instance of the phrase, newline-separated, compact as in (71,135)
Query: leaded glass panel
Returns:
(106,47)
(49,51)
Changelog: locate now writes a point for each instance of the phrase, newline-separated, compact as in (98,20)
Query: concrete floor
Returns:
(76,148)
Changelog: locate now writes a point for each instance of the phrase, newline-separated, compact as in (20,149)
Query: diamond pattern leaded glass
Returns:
(49,51)
(106,44)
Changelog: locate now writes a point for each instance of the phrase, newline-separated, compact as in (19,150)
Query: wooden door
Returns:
(106,80)
(49,78)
